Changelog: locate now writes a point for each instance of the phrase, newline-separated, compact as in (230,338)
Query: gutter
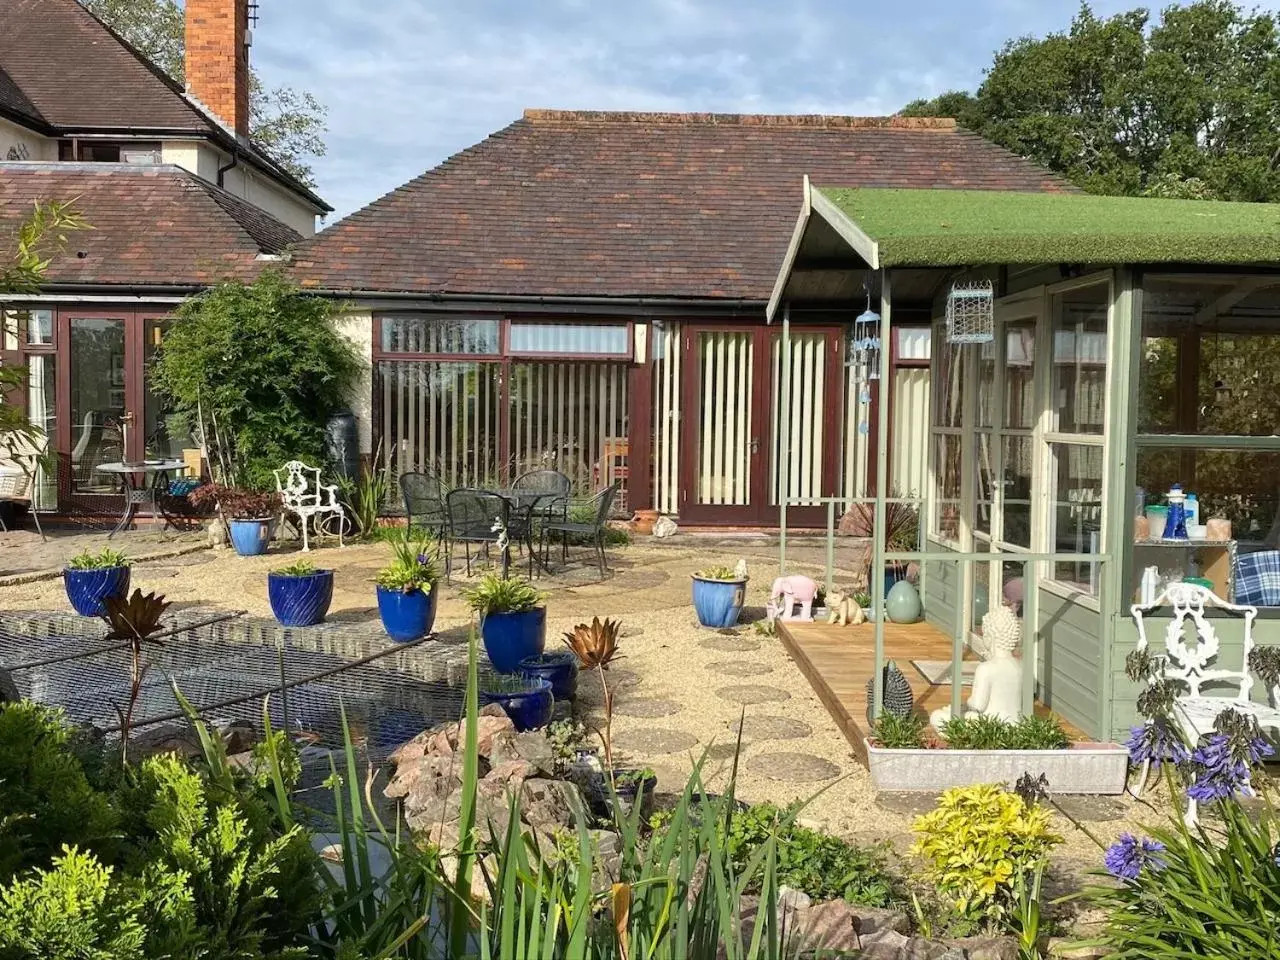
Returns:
(549,300)
(223,170)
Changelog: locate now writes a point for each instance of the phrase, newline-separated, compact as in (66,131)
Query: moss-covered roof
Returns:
(940,228)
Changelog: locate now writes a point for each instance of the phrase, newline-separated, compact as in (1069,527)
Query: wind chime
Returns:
(864,358)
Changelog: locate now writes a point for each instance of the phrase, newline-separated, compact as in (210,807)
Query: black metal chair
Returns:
(471,518)
(424,502)
(598,508)
(550,491)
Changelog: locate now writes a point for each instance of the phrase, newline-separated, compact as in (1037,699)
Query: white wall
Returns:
(356,326)
(19,143)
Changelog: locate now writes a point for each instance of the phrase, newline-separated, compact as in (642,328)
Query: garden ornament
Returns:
(740,569)
(843,610)
(789,591)
(217,533)
(664,527)
(997,682)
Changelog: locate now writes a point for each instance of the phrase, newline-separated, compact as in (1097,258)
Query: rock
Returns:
(245,761)
(792,900)
(157,740)
(425,778)
(837,925)
(239,736)
(891,945)
(547,804)
(445,738)
(506,778)
(988,948)
(434,813)
(1064,948)
(535,748)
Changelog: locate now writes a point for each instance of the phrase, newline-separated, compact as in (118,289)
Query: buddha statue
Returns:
(997,681)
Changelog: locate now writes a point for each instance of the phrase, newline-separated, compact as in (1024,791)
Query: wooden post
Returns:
(640,431)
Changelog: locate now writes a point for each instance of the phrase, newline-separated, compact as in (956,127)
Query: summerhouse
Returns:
(1127,345)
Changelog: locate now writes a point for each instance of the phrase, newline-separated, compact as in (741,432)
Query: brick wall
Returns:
(217,64)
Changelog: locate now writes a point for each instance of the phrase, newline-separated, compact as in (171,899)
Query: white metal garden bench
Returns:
(1189,664)
(303,495)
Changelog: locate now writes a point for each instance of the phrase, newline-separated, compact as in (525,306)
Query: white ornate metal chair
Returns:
(303,495)
(1189,665)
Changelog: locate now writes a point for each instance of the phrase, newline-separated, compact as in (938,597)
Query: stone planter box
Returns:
(1087,768)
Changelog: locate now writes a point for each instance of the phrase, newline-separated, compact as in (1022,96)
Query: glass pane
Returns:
(1019,374)
(984,492)
(97,401)
(42,410)
(946,513)
(725,434)
(986,384)
(1076,511)
(571,417)
(947,396)
(440,334)
(1210,357)
(39,327)
(914,342)
(801,475)
(1238,485)
(1017,491)
(1080,360)
(440,418)
(586,338)
(166,434)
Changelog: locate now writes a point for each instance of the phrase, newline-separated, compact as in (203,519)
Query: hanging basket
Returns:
(971,312)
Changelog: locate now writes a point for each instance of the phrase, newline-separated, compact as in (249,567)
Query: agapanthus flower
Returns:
(1258,749)
(1127,857)
(1156,742)
(1219,774)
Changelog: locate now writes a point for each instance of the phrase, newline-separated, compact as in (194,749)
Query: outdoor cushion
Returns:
(1258,578)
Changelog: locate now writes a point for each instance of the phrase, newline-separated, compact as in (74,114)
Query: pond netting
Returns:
(230,668)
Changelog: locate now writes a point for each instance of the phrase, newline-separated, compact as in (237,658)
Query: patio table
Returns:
(143,483)
(523,504)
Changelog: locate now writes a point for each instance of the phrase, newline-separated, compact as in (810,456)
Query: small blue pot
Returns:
(300,601)
(718,602)
(407,616)
(511,637)
(559,668)
(893,573)
(529,704)
(88,589)
(250,537)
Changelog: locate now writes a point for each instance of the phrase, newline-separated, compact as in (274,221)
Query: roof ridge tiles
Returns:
(802,121)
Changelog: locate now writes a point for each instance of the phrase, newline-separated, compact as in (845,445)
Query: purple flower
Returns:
(1126,857)
(1258,750)
(1157,742)
(1219,774)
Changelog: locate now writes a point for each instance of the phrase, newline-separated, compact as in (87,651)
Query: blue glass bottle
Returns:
(1175,524)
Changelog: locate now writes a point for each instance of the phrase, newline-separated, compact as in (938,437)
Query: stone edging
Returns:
(52,573)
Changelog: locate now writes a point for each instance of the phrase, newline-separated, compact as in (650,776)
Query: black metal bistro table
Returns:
(143,483)
(523,508)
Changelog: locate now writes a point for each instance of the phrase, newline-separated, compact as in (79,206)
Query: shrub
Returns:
(493,594)
(236,503)
(992,733)
(260,370)
(900,733)
(980,845)
(104,559)
(717,573)
(412,566)
(299,568)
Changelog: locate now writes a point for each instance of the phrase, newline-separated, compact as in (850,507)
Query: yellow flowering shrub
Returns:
(978,843)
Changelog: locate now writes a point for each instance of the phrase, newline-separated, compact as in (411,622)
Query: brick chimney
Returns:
(217,66)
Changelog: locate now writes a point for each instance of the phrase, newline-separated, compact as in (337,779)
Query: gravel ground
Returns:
(670,706)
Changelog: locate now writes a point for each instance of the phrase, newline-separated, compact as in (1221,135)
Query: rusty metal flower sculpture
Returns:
(595,644)
(136,620)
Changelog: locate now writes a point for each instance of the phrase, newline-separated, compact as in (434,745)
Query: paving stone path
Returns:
(646,707)
(654,741)
(740,668)
(729,644)
(767,727)
(750,693)
(793,767)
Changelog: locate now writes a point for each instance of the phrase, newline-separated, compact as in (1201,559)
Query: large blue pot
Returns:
(250,537)
(510,637)
(528,701)
(407,616)
(718,602)
(88,589)
(300,601)
(559,668)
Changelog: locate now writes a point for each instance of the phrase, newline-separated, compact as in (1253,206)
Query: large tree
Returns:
(288,124)
(1186,105)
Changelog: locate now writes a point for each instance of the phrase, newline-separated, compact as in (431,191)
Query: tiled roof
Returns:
(151,226)
(80,76)
(624,204)
(15,103)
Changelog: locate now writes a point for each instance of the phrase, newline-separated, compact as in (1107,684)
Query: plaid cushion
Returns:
(1258,578)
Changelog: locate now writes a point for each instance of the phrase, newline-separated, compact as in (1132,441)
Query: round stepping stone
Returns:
(631,632)
(652,741)
(749,693)
(723,751)
(740,668)
(729,644)
(771,728)
(646,707)
(793,767)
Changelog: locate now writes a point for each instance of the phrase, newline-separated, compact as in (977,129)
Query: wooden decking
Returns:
(838,662)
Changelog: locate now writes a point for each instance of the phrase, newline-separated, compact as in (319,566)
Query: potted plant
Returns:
(718,595)
(249,514)
(632,786)
(528,701)
(90,578)
(407,590)
(300,593)
(513,620)
(901,534)
(559,667)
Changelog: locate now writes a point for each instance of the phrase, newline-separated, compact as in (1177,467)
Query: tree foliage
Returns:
(1184,106)
(288,124)
(260,370)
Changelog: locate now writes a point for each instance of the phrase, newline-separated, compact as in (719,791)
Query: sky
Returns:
(410,82)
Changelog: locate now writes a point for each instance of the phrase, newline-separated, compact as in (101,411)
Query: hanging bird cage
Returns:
(864,346)
(971,312)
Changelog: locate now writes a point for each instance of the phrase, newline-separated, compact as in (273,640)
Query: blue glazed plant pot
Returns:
(527,700)
(718,602)
(560,668)
(88,589)
(250,537)
(300,601)
(407,616)
(510,637)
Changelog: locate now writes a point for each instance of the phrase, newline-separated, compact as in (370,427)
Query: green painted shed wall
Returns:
(1070,660)
(940,596)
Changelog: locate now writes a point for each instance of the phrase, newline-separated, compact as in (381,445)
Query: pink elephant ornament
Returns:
(787,592)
